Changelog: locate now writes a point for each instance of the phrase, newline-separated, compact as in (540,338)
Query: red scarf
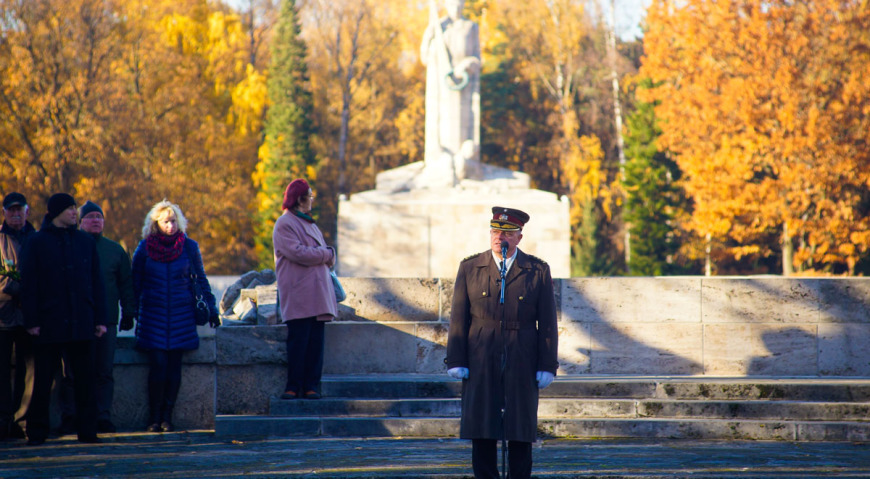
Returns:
(162,248)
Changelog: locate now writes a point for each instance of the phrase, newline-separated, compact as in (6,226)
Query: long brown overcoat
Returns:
(476,341)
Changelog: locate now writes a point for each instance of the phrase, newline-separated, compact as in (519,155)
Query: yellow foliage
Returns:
(751,95)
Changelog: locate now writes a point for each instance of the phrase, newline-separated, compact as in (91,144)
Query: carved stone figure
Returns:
(451,52)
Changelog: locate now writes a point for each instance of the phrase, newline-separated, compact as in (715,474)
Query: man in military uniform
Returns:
(503,351)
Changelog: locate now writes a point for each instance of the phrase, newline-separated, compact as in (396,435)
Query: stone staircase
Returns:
(413,405)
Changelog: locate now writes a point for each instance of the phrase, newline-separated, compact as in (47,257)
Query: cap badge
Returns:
(503,217)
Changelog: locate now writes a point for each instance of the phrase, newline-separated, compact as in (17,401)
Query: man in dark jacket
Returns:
(64,309)
(118,283)
(504,348)
(13,234)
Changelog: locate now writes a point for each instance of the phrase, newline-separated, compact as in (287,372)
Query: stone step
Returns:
(256,426)
(584,408)
(732,429)
(439,386)
(435,407)
(799,409)
(762,430)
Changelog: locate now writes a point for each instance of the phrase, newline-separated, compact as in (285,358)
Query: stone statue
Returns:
(451,52)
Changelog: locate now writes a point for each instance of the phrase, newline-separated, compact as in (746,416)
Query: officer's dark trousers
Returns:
(47,361)
(484,459)
(305,338)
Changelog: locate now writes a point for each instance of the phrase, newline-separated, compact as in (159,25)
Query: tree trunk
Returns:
(787,252)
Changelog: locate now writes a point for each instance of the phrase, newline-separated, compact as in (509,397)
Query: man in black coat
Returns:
(13,234)
(64,308)
(504,351)
(118,284)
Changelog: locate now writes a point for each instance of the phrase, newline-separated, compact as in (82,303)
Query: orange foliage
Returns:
(764,105)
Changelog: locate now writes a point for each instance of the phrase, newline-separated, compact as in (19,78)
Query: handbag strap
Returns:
(194,278)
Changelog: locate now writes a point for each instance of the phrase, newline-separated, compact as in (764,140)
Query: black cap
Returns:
(13,199)
(89,207)
(57,203)
(508,219)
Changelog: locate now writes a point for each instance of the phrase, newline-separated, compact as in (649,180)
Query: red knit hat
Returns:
(295,189)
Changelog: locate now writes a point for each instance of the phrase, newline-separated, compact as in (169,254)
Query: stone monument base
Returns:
(402,230)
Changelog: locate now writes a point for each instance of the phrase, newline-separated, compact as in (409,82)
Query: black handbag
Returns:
(200,307)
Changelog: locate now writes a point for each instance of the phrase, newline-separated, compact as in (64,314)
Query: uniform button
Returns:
(484,293)
(521,298)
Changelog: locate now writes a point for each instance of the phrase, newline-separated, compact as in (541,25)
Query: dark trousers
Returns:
(12,389)
(484,459)
(47,360)
(164,382)
(304,355)
(104,382)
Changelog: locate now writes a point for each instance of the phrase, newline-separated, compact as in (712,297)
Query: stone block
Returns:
(432,230)
(431,348)
(445,291)
(760,300)
(195,408)
(646,348)
(268,315)
(575,348)
(615,300)
(245,345)
(844,349)
(232,292)
(248,388)
(760,349)
(391,299)
(844,300)
(245,309)
(370,348)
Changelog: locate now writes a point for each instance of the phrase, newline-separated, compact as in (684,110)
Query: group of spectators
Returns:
(65,290)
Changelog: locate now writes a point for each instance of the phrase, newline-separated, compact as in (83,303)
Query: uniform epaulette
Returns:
(470,257)
(535,258)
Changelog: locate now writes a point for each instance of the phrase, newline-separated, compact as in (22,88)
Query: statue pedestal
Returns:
(416,225)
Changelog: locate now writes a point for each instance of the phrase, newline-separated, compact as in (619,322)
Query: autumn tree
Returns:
(562,58)
(54,58)
(127,103)
(653,201)
(286,153)
(764,106)
(362,85)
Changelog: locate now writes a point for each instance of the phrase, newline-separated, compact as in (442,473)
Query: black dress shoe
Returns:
(35,441)
(312,395)
(90,439)
(166,426)
(154,428)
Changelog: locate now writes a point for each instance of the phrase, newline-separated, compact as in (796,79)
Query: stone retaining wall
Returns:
(742,326)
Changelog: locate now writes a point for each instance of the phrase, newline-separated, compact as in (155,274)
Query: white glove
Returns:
(458,373)
(544,379)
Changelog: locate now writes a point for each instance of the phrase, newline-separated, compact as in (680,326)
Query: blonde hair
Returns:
(157,210)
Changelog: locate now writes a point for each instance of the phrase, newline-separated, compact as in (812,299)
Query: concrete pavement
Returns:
(201,454)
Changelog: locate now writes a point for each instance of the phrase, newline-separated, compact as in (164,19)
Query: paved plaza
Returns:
(201,454)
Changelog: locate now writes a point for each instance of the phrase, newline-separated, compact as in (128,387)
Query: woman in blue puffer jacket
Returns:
(163,267)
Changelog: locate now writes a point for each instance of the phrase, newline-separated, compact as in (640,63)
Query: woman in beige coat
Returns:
(305,291)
